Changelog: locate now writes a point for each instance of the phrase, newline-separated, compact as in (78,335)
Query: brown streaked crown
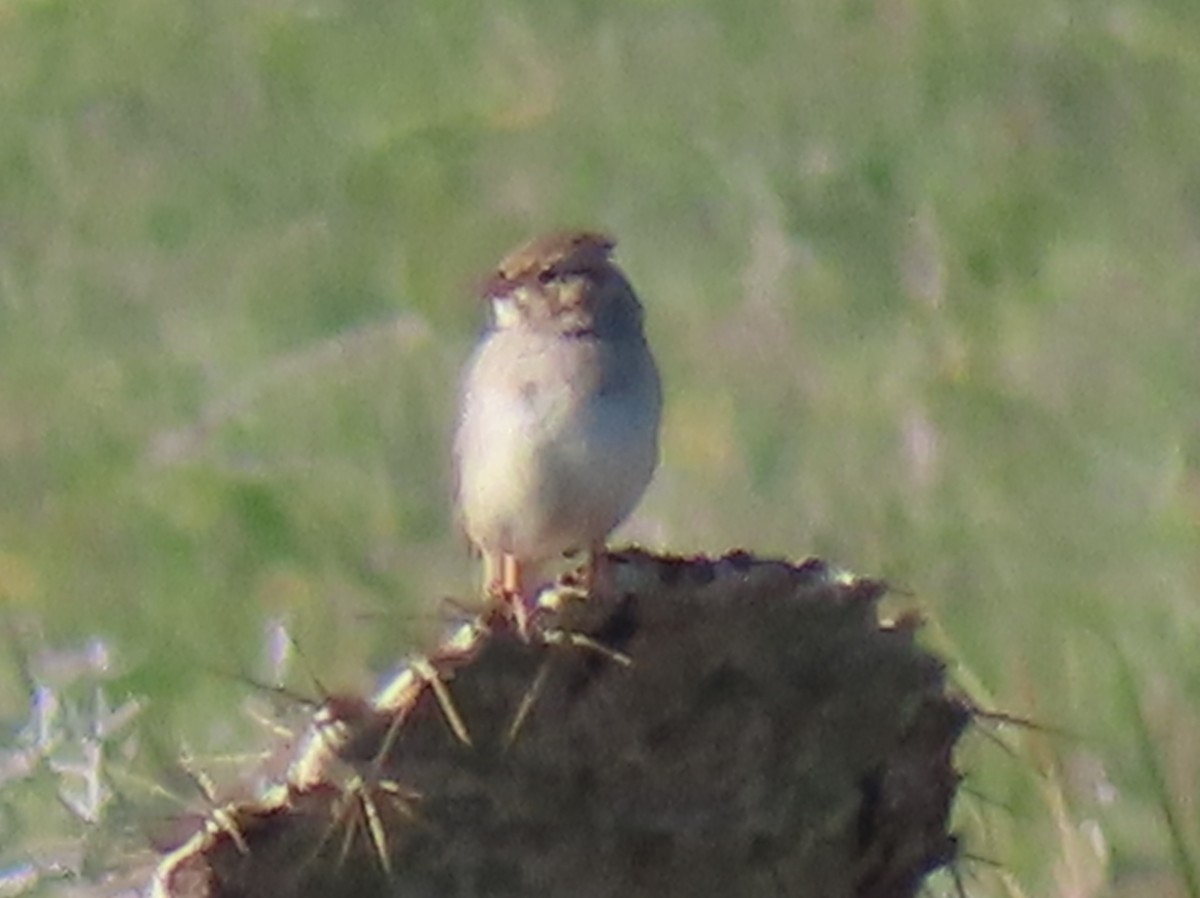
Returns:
(551,255)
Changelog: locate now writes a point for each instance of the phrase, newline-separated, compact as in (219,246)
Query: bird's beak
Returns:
(505,312)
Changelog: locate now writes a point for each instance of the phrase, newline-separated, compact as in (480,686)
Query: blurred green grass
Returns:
(922,277)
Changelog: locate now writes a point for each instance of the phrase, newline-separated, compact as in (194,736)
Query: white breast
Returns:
(558,439)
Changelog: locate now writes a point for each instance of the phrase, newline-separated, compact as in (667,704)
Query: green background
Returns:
(921,276)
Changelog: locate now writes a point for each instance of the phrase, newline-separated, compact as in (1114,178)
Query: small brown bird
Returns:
(560,410)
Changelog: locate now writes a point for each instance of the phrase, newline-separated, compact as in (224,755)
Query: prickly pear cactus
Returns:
(728,727)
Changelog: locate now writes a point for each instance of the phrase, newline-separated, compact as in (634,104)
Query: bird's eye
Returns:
(546,275)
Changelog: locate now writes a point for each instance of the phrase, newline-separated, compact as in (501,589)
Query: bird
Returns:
(560,409)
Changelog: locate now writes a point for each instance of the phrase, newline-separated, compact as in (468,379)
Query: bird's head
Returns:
(566,283)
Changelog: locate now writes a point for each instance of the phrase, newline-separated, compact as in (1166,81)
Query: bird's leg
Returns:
(510,575)
(514,589)
(597,573)
(504,582)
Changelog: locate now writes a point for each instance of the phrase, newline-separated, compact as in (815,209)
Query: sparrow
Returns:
(559,413)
